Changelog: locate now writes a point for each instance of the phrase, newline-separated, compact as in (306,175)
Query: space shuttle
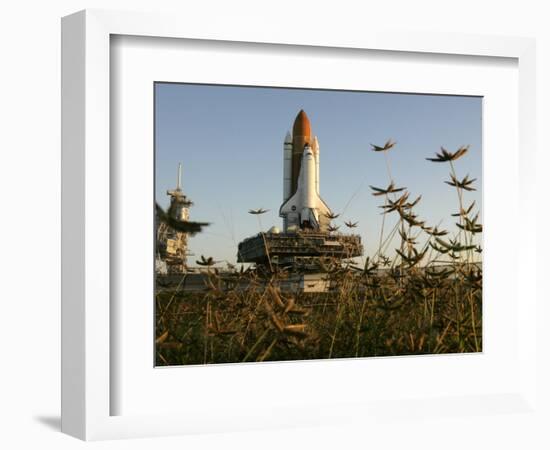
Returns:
(302,208)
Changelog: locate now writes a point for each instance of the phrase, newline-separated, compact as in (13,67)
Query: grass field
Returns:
(423,297)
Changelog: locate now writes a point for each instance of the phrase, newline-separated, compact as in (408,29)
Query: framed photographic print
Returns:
(269,229)
(303,279)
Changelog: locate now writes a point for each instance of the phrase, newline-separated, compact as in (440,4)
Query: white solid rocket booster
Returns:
(315,148)
(287,166)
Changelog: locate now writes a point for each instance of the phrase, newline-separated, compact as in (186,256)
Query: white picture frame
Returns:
(87,386)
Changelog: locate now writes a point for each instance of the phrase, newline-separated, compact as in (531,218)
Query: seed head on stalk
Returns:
(389,190)
(183,226)
(257,211)
(465,183)
(387,146)
(207,262)
(331,215)
(445,155)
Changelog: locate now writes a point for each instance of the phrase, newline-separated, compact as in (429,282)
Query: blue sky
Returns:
(230,142)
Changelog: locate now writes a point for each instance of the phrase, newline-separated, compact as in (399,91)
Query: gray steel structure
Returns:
(300,248)
(172,245)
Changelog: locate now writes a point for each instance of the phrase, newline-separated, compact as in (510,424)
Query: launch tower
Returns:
(171,244)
